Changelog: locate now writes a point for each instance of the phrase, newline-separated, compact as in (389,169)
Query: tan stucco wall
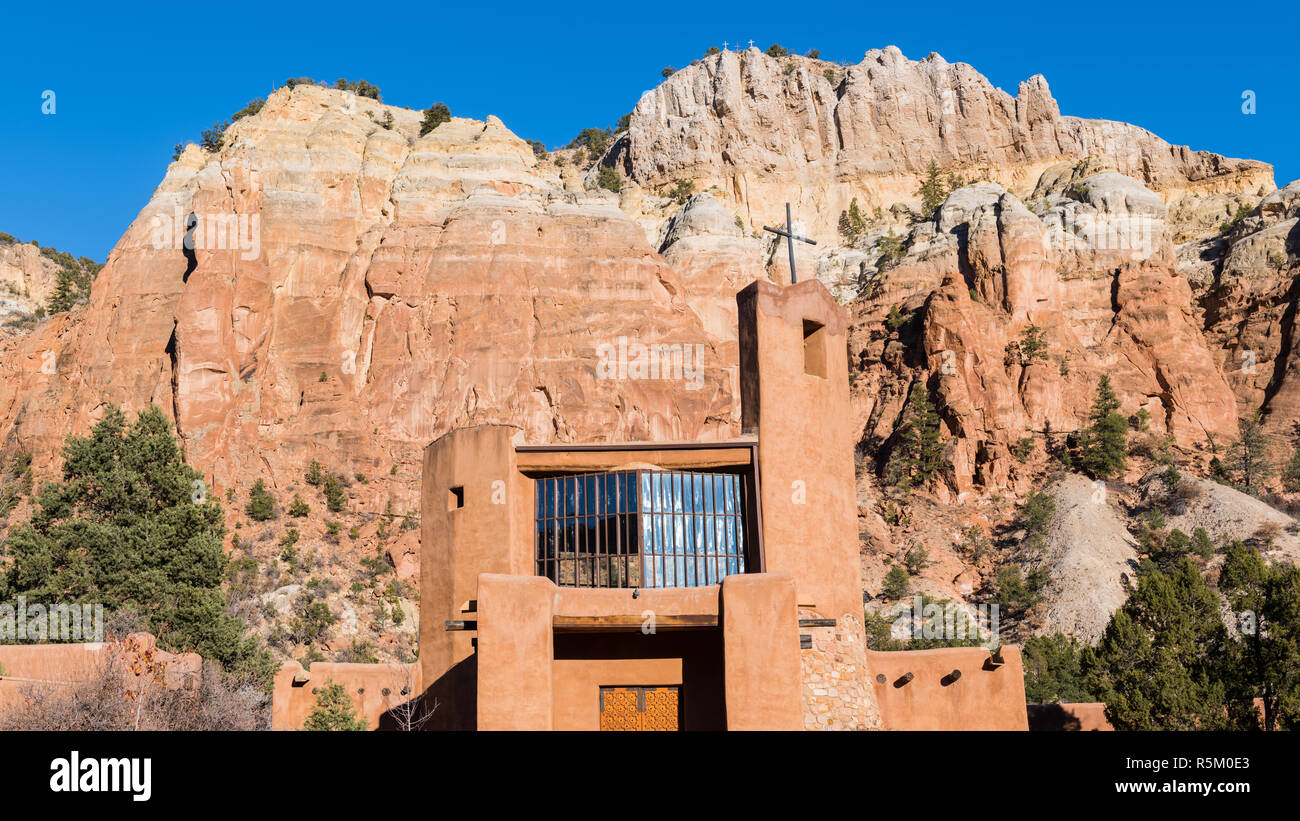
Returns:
(984,698)
(26,666)
(515,650)
(292,702)
(760,635)
(488,535)
(746,668)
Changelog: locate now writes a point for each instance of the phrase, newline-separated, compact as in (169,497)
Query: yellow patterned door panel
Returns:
(640,708)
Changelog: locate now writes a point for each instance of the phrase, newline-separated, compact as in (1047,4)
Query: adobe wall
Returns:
(689,659)
(375,690)
(24,666)
(745,668)
(986,696)
(485,535)
(795,397)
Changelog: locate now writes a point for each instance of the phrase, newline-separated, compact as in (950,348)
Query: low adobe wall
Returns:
(1077,717)
(24,666)
(375,690)
(917,689)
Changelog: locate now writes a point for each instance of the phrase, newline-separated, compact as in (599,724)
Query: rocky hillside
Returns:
(357,288)
(29,280)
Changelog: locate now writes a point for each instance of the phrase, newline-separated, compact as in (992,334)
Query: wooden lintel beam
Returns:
(628,622)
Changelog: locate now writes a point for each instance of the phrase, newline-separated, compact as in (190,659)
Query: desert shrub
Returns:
(311,619)
(609,179)
(299,508)
(916,559)
(104,701)
(681,191)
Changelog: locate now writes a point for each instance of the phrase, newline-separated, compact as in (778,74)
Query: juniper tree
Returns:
(1104,444)
(434,116)
(917,454)
(1247,464)
(1267,600)
(1165,661)
(1052,670)
(261,504)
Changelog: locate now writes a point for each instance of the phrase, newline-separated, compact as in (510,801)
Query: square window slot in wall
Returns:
(456,498)
(814,348)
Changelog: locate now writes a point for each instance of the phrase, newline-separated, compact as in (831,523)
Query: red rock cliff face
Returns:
(356,291)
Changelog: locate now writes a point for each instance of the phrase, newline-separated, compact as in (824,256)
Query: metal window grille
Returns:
(641,528)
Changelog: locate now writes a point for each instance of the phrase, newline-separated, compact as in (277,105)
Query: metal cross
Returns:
(751,43)
(790,237)
(724,45)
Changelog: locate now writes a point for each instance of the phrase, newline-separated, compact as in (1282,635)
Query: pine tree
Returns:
(1248,464)
(852,223)
(334,496)
(334,711)
(1165,661)
(261,504)
(1104,444)
(932,190)
(1291,472)
(918,449)
(315,474)
(896,583)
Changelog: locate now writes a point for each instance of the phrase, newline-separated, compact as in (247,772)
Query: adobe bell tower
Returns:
(795,398)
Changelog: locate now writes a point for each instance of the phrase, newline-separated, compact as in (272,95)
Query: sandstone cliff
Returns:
(354,290)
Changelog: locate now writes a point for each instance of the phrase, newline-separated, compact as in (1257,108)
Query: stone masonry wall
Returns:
(837,690)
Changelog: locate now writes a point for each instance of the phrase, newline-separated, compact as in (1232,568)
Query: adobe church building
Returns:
(699,585)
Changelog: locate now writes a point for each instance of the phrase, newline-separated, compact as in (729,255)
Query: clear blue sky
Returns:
(133,81)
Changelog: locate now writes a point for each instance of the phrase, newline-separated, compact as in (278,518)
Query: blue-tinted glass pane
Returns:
(659,572)
(677,492)
(569,504)
(708,493)
(589,498)
(688,496)
(609,494)
(731,494)
(645,492)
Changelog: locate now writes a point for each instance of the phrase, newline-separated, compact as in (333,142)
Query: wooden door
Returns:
(640,708)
